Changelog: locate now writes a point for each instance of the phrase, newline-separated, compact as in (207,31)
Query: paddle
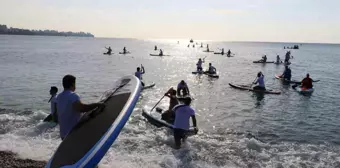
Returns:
(157,103)
(252,84)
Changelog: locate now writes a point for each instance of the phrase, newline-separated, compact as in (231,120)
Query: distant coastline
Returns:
(18,31)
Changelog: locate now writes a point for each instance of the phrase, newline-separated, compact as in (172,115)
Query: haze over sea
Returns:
(237,128)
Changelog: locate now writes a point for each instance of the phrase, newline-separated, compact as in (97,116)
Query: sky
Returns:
(221,20)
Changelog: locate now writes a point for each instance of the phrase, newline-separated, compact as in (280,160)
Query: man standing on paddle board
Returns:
(70,108)
(183,87)
(183,113)
(199,65)
(260,81)
(139,73)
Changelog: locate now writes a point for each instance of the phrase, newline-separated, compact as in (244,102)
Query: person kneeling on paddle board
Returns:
(160,52)
(109,50)
(211,69)
(278,60)
(139,73)
(182,89)
(183,113)
(264,58)
(229,53)
(307,83)
(199,65)
(53,101)
(70,108)
(260,81)
(169,115)
(287,74)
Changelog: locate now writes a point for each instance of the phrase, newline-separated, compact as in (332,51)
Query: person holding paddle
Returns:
(229,53)
(70,107)
(199,65)
(109,50)
(169,115)
(211,69)
(260,82)
(183,113)
(139,73)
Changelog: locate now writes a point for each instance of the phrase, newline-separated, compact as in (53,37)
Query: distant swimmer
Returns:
(229,53)
(160,52)
(287,74)
(183,113)
(139,73)
(70,107)
(183,89)
(307,82)
(155,47)
(109,50)
(199,65)
(169,115)
(260,82)
(211,69)
(53,105)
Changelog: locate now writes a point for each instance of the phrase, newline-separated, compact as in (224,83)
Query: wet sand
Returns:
(11,160)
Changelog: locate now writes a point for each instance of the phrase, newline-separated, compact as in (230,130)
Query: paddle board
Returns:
(124,53)
(149,86)
(96,131)
(263,62)
(305,91)
(156,121)
(208,51)
(242,87)
(213,75)
(158,55)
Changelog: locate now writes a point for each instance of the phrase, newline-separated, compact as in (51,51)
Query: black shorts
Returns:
(179,134)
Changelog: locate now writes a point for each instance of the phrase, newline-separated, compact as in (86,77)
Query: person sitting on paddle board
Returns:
(160,52)
(260,82)
(139,73)
(53,101)
(278,60)
(199,65)
(229,53)
(109,50)
(155,47)
(124,50)
(211,69)
(182,89)
(307,83)
(183,113)
(287,74)
(264,58)
(169,115)
(70,107)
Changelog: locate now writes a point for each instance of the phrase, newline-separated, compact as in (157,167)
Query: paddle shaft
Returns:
(252,83)
(157,103)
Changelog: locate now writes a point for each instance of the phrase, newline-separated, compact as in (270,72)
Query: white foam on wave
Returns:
(142,145)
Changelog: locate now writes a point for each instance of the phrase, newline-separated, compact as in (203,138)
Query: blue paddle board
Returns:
(97,130)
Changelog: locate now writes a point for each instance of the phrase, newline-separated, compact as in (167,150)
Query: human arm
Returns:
(82,108)
(143,70)
(194,123)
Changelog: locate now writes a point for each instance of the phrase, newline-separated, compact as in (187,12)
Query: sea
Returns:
(237,129)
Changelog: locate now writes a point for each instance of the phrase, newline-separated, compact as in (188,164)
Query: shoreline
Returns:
(11,160)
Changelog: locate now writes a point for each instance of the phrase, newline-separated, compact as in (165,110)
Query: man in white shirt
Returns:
(70,108)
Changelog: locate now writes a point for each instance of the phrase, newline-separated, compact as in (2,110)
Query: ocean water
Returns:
(237,128)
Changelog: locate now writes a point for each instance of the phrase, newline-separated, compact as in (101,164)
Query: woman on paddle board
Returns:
(260,82)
